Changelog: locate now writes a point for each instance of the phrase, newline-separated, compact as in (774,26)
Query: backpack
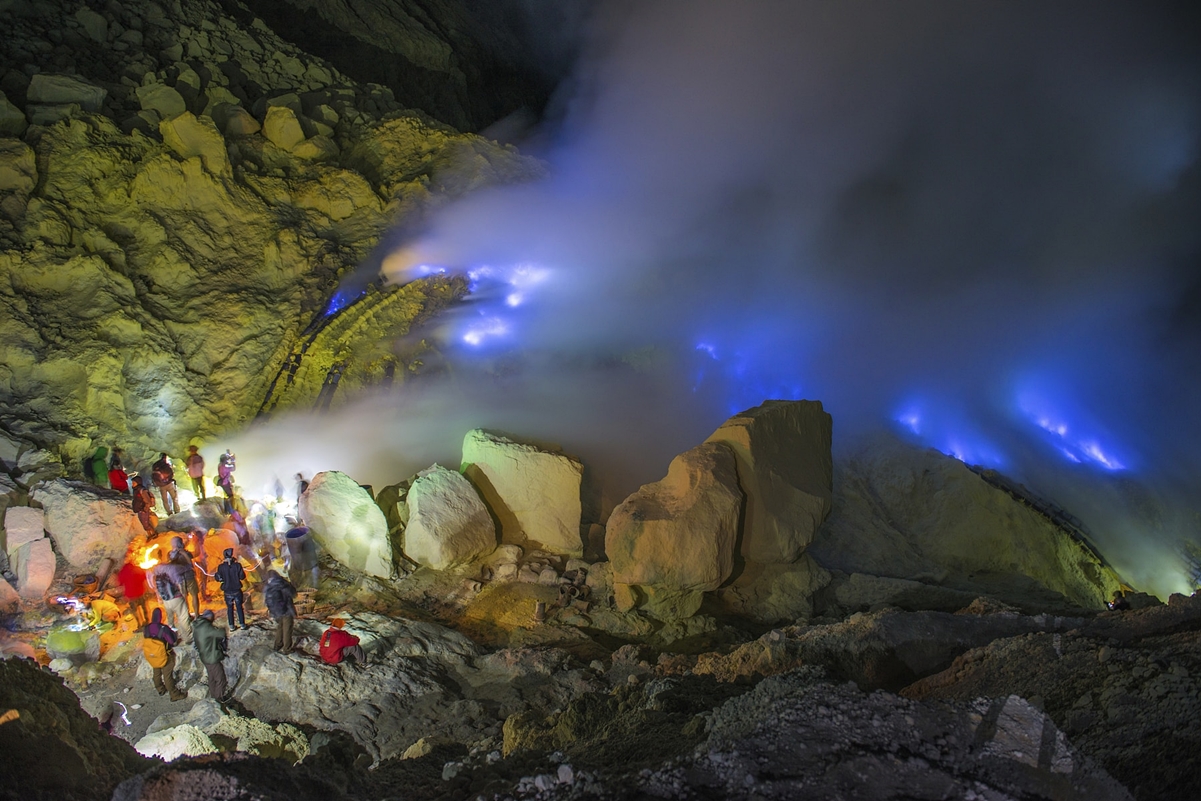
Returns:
(160,475)
(166,590)
(155,652)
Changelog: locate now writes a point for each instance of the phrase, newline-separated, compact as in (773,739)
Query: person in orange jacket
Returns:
(337,645)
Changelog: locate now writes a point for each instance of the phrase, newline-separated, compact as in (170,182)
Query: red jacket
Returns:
(133,579)
(118,479)
(332,643)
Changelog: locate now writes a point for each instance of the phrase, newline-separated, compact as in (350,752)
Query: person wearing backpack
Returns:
(158,644)
(231,574)
(210,646)
(168,581)
(143,507)
(163,477)
(179,555)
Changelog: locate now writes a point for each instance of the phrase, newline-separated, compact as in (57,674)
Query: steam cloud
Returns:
(974,223)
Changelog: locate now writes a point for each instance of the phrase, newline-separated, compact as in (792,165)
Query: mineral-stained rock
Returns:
(776,593)
(316,148)
(49,89)
(94,25)
(168,103)
(22,524)
(239,122)
(347,523)
(18,169)
(169,744)
(914,513)
(190,136)
(282,128)
(786,470)
(12,121)
(50,113)
(679,533)
(9,598)
(34,565)
(448,523)
(533,493)
(87,524)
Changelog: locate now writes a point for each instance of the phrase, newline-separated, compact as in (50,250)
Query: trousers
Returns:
(283,634)
(218,686)
(164,677)
(231,601)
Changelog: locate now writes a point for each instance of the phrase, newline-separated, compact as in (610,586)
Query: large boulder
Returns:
(10,600)
(347,523)
(12,119)
(87,524)
(786,469)
(913,513)
(679,533)
(22,524)
(168,103)
(191,136)
(57,90)
(282,128)
(448,523)
(34,565)
(534,493)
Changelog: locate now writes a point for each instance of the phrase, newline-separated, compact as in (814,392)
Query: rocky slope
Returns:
(184,197)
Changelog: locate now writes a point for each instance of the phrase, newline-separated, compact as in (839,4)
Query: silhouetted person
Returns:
(210,646)
(278,595)
(179,555)
(231,574)
(163,476)
(1119,602)
(195,465)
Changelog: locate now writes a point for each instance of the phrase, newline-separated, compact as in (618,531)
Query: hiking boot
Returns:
(178,696)
(161,690)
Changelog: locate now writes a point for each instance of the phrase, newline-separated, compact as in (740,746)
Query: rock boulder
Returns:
(282,128)
(59,90)
(87,524)
(785,467)
(22,524)
(448,523)
(168,103)
(679,533)
(191,136)
(34,565)
(534,493)
(347,523)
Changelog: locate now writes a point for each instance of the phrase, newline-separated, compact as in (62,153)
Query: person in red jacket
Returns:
(137,592)
(337,645)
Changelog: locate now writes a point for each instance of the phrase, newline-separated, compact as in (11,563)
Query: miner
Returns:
(337,645)
(278,595)
(158,646)
(210,645)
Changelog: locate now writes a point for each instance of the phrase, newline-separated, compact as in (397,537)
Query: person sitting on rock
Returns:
(337,644)
(231,574)
(163,477)
(95,468)
(179,555)
(168,581)
(210,645)
(158,646)
(278,595)
(1119,602)
(118,479)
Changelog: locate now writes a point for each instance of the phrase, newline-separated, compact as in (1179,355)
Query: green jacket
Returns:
(210,641)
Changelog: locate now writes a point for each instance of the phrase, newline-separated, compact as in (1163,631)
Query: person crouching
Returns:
(210,645)
(338,645)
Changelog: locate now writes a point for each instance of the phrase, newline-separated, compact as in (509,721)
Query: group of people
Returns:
(162,479)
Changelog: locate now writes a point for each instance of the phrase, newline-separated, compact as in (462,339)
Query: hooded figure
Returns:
(97,471)
(278,595)
(210,646)
(231,574)
(158,644)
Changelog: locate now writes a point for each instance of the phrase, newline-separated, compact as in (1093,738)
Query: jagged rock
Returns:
(861,592)
(94,25)
(282,128)
(176,742)
(914,513)
(337,194)
(22,524)
(34,565)
(18,169)
(165,101)
(50,113)
(533,493)
(12,120)
(51,747)
(776,593)
(786,470)
(448,523)
(87,524)
(190,136)
(347,523)
(10,599)
(62,90)
(237,121)
(316,148)
(679,533)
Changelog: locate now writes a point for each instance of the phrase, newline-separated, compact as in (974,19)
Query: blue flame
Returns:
(1069,430)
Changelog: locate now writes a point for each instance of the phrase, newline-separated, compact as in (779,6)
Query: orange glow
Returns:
(148,559)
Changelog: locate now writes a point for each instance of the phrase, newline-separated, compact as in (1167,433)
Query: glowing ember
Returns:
(147,559)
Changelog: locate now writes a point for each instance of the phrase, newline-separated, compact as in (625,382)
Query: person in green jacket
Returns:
(210,645)
(98,467)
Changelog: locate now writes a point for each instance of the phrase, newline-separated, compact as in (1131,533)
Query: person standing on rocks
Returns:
(195,465)
(163,476)
(169,584)
(226,466)
(132,579)
(231,574)
(143,507)
(158,646)
(211,644)
(201,561)
(337,645)
(278,595)
(179,555)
